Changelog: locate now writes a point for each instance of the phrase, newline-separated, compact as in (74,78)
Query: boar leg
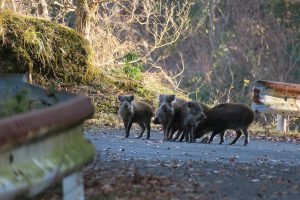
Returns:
(189,135)
(176,135)
(182,135)
(186,135)
(169,134)
(164,129)
(170,137)
(192,135)
(143,130)
(214,133)
(245,131)
(168,129)
(238,135)
(222,137)
(205,139)
(148,130)
(165,135)
(125,126)
(128,127)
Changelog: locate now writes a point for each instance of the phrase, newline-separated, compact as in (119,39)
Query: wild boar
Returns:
(132,111)
(227,116)
(168,114)
(196,111)
(192,115)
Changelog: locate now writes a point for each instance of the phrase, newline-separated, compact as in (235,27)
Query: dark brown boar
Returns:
(227,116)
(193,111)
(168,114)
(192,115)
(135,112)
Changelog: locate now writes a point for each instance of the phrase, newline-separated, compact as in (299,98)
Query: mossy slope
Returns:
(30,44)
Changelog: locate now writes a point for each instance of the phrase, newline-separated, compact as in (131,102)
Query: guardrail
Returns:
(45,144)
(282,99)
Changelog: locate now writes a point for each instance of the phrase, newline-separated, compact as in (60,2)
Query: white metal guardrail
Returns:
(44,145)
(282,99)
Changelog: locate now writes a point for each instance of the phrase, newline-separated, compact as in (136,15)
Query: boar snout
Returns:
(156,120)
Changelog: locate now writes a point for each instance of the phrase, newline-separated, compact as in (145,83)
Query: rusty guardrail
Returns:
(282,99)
(42,146)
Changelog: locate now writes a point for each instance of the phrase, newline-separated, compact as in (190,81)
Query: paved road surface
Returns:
(157,170)
(112,142)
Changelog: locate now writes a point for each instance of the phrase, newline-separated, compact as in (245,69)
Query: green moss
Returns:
(31,44)
(14,105)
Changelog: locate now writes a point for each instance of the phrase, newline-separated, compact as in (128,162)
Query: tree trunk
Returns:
(83,18)
(43,9)
(13,5)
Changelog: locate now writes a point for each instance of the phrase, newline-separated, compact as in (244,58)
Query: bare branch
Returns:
(181,72)
(183,66)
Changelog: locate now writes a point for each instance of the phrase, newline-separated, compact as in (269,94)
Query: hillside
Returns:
(57,56)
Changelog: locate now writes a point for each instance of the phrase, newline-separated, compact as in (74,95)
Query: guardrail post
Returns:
(281,99)
(73,187)
(281,123)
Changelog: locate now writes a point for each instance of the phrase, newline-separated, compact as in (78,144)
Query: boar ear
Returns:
(172,98)
(131,98)
(189,104)
(120,98)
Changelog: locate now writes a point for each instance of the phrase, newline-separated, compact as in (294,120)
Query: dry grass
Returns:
(157,83)
(104,94)
(108,48)
(269,132)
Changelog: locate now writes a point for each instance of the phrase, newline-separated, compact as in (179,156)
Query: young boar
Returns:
(168,114)
(227,116)
(178,115)
(193,112)
(192,115)
(135,112)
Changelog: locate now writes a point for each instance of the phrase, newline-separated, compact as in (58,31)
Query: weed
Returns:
(132,66)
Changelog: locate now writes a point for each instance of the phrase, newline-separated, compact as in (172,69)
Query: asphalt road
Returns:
(134,169)
(111,143)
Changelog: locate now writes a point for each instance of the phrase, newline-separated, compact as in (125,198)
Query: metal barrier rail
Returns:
(282,99)
(40,147)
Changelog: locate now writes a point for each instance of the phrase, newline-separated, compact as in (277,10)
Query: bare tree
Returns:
(63,8)
(85,15)
(43,9)
(143,26)
(154,23)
